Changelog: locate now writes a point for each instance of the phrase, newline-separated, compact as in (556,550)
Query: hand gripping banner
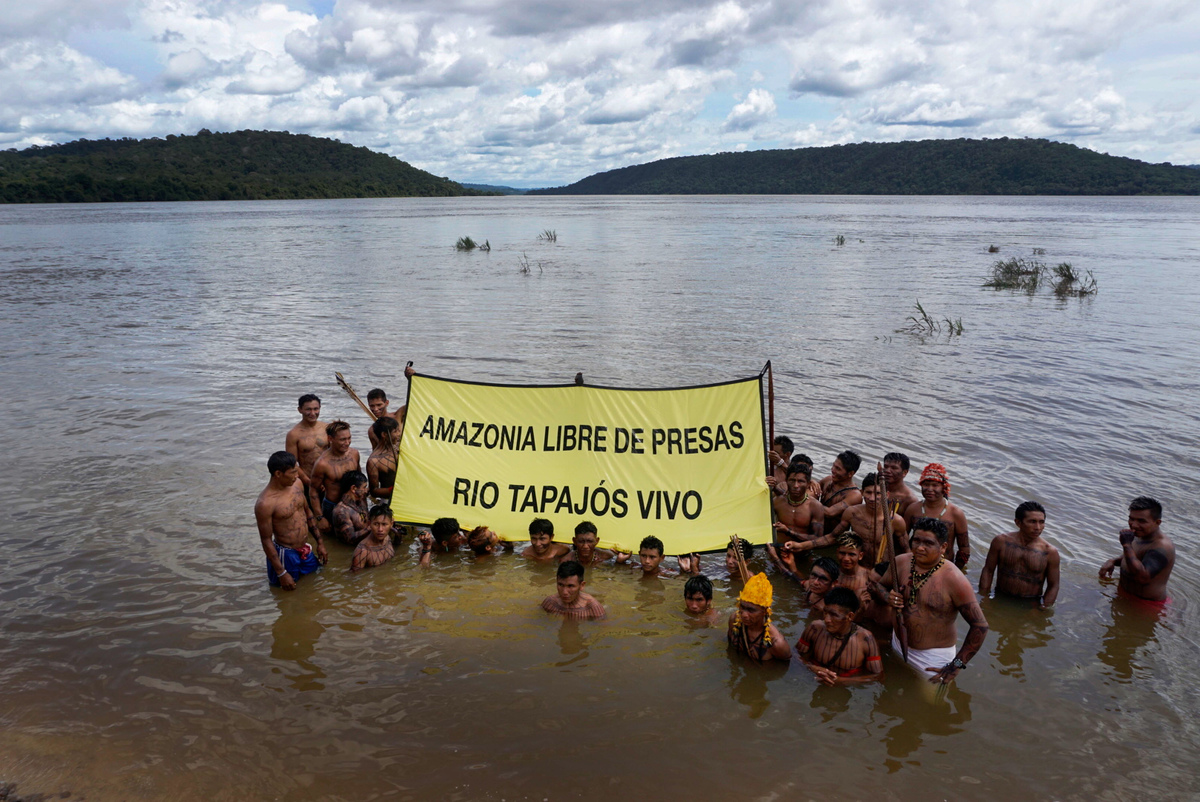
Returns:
(685,465)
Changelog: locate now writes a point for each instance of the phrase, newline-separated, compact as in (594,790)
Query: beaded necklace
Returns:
(917,581)
(803,499)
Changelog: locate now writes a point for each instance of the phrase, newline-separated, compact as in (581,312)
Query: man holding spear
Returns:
(931,594)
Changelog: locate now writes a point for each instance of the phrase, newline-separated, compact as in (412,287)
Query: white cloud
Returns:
(541,91)
(758,107)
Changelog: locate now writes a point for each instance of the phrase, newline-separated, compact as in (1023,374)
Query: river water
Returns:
(152,357)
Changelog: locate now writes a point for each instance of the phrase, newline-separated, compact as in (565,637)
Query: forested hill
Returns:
(245,165)
(929,167)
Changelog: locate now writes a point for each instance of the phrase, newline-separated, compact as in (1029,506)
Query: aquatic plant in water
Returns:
(548,235)
(523,265)
(926,325)
(468,244)
(1016,274)
(1029,274)
(1070,284)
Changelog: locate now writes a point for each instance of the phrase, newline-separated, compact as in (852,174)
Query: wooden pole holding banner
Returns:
(771,404)
(341,380)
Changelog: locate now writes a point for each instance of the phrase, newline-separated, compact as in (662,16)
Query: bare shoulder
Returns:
(957,583)
(814,628)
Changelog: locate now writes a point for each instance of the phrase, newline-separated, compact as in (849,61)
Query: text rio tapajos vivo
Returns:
(595,501)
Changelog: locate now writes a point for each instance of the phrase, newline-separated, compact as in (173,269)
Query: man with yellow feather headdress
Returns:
(750,629)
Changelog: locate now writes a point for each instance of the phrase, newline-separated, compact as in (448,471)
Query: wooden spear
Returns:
(890,556)
(341,380)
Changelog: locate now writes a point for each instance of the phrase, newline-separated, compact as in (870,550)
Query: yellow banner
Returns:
(685,465)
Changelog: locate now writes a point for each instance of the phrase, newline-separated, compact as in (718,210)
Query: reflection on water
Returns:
(295,633)
(748,682)
(918,710)
(1128,642)
(153,356)
(1020,627)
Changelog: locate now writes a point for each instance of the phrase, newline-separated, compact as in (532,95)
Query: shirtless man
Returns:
(731,561)
(542,547)
(307,441)
(838,492)
(778,457)
(855,576)
(837,650)
(697,601)
(570,601)
(814,487)
(377,402)
(650,557)
(376,548)
(931,595)
(485,543)
(585,551)
(448,536)
(1147,555)
(821,579)
(1027,564)
(798,519)
(895,468)
(324,489)
(381,465)
(750,630)
(284,524)
(444,537)
(935,488)
(867,521)
(350,514)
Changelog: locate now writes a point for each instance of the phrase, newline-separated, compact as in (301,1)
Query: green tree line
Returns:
(243,165)
(928,167)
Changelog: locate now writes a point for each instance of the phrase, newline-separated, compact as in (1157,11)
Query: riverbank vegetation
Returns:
(930,167)
(243,165)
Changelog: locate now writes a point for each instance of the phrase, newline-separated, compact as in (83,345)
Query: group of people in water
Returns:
(875,562)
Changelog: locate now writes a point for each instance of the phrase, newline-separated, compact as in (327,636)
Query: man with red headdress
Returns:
(935,503)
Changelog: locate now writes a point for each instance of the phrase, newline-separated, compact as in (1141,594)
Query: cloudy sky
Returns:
(544,92)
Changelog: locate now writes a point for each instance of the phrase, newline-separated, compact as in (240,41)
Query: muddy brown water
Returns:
(152,359)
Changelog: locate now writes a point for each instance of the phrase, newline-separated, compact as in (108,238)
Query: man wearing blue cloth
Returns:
(285,522)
